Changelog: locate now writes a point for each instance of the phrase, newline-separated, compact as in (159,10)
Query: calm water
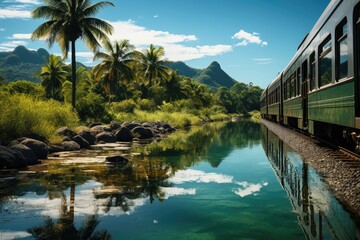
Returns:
(220,181)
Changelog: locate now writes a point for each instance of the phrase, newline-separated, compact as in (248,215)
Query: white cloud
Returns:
(156,16)
(20,36)
(8,235)
(10,13)
(249,188)
(191,175)
(10,46)
(247,38)
(262,60)
(34,2)
(2,29)
(174,191)
(175,45)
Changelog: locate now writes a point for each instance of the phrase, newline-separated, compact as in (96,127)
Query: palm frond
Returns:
(94,8)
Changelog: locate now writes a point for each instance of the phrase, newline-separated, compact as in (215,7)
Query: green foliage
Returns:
(26,87)
(146,105)
(22,114)
(92,108)
(53,75)
(127,106)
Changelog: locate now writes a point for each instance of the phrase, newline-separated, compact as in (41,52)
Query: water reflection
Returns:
(318,212)
(209,182)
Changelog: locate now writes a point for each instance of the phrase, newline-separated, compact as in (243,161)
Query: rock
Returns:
(123,135)
(55,148)
(70,146)
(99,129)
(65,132)
(106,137)
(11,159)
(87,136)
(94,124)
(115,125)
(28,154)
(117,159)
(37,137)
(39,148)
(142,133)
(81,141)
(130,125)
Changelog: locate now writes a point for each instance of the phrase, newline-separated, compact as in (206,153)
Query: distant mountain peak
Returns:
(213,75)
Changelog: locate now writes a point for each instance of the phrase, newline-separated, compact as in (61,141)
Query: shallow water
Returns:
(219,181)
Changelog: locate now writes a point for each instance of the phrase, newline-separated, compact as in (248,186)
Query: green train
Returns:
(319,91)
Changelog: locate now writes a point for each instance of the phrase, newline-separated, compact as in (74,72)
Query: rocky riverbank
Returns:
(30,150)
(343,180)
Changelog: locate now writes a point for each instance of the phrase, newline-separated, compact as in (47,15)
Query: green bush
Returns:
(127,106)
(22,114)
(26,87)
(91,108)
(146,105)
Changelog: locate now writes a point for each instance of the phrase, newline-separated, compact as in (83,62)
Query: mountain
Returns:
(212,76)
(22,63)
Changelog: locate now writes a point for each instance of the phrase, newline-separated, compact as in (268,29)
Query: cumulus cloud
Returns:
(10,46)
(20,36)
(248,38)
(177,46)
(249,188)
(191,175)
(34,2)
(175,191)
(12,13)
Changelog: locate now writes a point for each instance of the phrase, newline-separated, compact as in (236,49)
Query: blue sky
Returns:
(252,40)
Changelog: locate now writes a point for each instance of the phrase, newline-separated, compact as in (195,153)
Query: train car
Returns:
(320,87)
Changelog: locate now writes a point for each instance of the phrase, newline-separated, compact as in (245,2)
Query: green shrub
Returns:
(26,87)
(22,114)
(146,105)
(91,108)
(127,106)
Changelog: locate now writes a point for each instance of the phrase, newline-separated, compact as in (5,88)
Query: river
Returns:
(218,181)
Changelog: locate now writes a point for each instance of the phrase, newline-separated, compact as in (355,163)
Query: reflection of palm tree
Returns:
(155,180)
(64,228)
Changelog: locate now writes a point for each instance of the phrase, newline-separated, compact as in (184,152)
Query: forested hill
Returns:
(212,76)
(22,64)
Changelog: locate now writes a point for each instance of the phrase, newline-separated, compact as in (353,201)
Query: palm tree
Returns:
(154,66)
(69,20)
(53,74)
(115,65)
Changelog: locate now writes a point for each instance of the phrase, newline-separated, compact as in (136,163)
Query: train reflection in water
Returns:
(318,212)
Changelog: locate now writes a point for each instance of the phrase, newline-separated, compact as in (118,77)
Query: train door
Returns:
(304,93)
(357,60)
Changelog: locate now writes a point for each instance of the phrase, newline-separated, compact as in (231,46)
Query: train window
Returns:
(341,50)
(312,71)
(325,59)
(298,81)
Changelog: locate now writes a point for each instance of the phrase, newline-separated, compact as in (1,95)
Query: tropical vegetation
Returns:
(125,85)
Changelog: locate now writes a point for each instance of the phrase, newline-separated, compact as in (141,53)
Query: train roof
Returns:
(314,31)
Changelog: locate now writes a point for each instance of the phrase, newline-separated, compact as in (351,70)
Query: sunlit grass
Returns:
(22,114)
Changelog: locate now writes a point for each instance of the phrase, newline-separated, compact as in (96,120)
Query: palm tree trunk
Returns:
(73,74)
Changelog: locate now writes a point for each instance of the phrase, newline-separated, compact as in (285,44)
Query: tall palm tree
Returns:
(69,20)
(115,65)
(154,65)
(53,74)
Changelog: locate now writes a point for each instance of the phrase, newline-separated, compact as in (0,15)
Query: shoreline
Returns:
(342,180)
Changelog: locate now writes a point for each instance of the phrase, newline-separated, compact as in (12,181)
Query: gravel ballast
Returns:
(343,180)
